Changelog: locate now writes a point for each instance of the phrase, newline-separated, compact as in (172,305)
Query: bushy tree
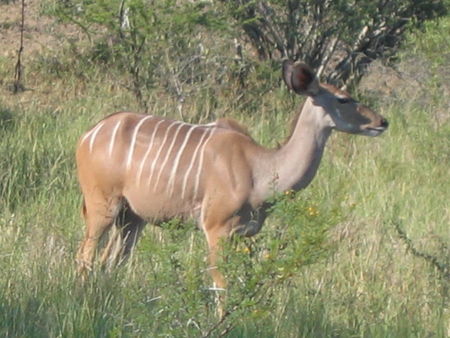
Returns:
(336,37)
(158,43)
(174,43)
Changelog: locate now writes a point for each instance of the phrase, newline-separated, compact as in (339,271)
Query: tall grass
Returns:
(364,280)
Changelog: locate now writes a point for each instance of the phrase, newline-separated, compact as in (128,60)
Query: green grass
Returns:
(364,281)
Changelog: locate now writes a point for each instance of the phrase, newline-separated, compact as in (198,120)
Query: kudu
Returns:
(136,168)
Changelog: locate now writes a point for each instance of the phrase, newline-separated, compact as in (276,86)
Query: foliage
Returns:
(258,269)
(339,38)
(30,160)
(169,42)
(155,42)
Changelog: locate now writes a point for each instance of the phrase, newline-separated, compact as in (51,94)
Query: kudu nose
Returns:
(384,123)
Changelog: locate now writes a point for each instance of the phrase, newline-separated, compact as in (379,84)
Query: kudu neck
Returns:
(295,164)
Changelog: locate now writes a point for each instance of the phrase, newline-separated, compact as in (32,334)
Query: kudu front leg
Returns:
(215,235)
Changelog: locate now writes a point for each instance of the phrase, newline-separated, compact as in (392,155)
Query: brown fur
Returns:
(233,125)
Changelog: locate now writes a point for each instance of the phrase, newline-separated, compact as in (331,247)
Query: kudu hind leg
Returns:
(99,214)
(122,238)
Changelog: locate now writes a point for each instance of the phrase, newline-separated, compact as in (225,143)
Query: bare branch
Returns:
(17,85)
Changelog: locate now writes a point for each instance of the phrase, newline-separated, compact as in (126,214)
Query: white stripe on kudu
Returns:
(160,150)
(90,132)
(200,164)
(169,151)
(194,158)
(113,137)
(85,136)
(177,159)
(133,140)
(94,135)
(149,149)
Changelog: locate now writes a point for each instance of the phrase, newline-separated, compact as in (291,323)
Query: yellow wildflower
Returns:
(289,192)
(312,211)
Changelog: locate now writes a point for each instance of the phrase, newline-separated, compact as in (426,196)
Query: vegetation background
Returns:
(364,251)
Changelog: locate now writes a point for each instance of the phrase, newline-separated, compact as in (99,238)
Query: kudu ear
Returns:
(300,78)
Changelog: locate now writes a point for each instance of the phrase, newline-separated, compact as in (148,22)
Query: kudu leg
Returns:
(122,238)
(215,235)
(99,215)
(214,247)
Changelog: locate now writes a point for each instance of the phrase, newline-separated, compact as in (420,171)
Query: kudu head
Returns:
(340,110)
